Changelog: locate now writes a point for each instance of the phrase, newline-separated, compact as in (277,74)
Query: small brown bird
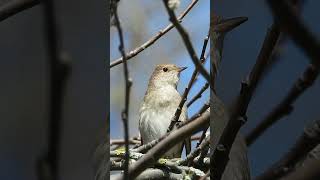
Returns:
(159,105)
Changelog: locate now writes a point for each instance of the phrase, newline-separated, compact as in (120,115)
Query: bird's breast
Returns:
(156,113)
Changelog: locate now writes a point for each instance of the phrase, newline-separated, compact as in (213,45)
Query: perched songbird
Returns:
(159,105)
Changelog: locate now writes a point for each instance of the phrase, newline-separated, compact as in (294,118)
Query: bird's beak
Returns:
(226,25)
(181,69)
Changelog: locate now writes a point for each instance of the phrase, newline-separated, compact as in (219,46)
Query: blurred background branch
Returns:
(12,7)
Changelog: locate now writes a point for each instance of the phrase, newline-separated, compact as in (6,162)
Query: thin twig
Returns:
(285,107)
(128,83)
(307,141)
(278,50)
(12,7)
(153,39)
(198,95)
(238,113)
(203,135)
(204,107)
(291,23)
(193,78)
(59,69)
(185,37)
(196,152)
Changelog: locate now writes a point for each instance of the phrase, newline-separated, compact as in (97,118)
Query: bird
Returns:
(158,107)
(237,167)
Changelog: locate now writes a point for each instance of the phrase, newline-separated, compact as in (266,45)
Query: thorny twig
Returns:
(238,113)
(153,39)
(128,83)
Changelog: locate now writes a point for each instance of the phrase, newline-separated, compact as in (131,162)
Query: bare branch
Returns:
(205,107)
(176,116)
(196,152)
(307,141)
(185,37)
(152,40)
(285,107)
(290,23)
(128,83)
(198,95)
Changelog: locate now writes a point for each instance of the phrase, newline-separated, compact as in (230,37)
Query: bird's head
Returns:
(166,74)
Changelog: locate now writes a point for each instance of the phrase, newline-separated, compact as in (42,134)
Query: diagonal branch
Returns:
(310,44)
(198,95)
(307,141)
(291,23)
(188,88)
(152,40)
(285,107)
(185,37)
(190,157)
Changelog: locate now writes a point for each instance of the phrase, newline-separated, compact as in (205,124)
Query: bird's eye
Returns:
(165,69)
